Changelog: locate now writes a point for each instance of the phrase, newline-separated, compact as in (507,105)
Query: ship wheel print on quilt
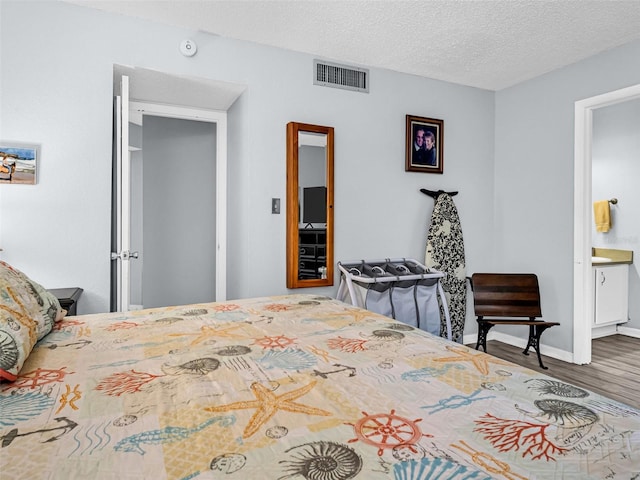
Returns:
(39,377)
(274,341)
(387,430)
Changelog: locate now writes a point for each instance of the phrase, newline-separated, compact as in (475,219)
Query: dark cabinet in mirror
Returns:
(309,205)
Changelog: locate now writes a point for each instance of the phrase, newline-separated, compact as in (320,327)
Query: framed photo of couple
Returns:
(424,146)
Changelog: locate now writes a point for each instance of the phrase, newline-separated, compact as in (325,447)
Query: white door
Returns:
(120,241)
(122,255)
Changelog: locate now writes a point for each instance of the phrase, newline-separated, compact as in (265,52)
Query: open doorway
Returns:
(175,100)
(170,220)
(173,213)
(583,294)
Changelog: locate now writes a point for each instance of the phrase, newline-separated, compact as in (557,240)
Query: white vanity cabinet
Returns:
(611,294)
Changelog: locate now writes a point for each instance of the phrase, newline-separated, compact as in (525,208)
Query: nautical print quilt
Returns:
(295,387)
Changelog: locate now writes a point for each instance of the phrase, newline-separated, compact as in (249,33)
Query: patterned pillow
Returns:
(27,313)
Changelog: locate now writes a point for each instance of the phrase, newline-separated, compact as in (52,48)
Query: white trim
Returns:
(220,119)
(221,210)
(118,201)
(582,284)
(522,343)
(629,332)
(470,339)
(175,111)
(603,331)
(125,198)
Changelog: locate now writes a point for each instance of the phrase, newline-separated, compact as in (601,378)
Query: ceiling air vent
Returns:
(340,76)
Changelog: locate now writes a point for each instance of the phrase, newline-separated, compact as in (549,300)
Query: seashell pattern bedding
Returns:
(294,387)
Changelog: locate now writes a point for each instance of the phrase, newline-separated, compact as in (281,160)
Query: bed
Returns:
(294,387)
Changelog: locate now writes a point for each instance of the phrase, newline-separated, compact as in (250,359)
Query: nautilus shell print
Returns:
(565,413)
(400,327)
(388,335)
(8,351)
(554,387)
(199,366)
(322,461)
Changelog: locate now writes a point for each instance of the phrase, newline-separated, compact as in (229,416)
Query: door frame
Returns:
(220,119)
(583,285)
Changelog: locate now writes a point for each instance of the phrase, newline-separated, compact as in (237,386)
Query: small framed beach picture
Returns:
(424,146)
(18,163)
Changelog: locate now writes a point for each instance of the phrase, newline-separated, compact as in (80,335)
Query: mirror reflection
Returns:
(312,202)
(309,205)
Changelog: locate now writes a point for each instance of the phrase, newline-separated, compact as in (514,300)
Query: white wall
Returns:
(534,175)
(57,86)
(616,172)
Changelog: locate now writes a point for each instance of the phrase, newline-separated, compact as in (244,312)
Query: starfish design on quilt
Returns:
(480,360)
(357,314)
(268,403)
(208,332)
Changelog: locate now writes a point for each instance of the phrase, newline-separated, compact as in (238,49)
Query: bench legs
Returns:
(535,331)
(483,330)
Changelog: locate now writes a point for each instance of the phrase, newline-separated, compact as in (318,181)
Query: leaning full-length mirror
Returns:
(309,205)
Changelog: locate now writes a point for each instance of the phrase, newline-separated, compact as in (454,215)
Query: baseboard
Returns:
(599,332)
(553,352)
(136,307)
(472,338)
(629,332)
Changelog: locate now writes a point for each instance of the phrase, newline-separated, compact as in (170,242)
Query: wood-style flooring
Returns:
(614,370)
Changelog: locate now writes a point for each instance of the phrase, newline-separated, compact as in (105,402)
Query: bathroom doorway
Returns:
(583,291)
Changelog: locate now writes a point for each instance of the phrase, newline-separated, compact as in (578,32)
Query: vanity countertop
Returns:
(617,257)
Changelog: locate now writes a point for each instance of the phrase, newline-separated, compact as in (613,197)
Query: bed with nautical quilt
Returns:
(294,387)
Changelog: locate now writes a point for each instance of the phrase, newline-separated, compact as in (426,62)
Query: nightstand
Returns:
(68,298)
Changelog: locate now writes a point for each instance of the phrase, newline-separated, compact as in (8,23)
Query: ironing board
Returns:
(445,253)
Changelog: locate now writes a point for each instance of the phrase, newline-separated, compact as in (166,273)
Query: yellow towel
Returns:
(602,215)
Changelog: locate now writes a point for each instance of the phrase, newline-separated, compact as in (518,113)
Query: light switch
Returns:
(275,205)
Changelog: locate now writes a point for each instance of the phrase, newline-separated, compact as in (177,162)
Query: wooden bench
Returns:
(512,297)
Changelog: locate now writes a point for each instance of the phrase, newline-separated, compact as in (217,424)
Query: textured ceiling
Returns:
(489,44)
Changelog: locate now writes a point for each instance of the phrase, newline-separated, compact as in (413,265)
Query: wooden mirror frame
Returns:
(293,214)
